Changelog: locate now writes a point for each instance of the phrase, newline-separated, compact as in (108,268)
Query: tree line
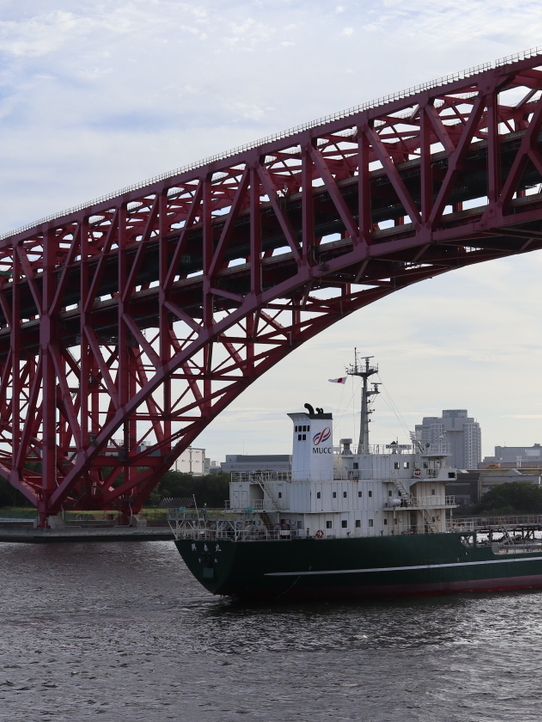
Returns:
(211,490)
(517,497)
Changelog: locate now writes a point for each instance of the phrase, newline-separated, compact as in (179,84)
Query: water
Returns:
(122,633)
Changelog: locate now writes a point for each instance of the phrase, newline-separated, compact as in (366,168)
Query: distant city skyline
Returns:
(95,97)
(454,433)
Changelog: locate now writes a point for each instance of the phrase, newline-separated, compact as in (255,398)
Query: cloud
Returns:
(38,36)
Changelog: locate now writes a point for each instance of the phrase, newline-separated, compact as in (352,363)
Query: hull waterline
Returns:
(357,568)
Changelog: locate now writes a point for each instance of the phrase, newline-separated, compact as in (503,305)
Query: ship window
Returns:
(299,437)
(370,522)
(432,492)
(334,494)
(318,494)
(345,494)
(406,464)
(390,492)
(355,465)
(385,522)
(396,465)
(451,475)
(360,493)
(280,494)
(344,523)
(370,493)
(358,523)
(304,437)
(329,525)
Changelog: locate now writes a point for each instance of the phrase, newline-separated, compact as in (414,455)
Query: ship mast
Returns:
(362,368)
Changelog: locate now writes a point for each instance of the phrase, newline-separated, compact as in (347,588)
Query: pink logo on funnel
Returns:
(321,436)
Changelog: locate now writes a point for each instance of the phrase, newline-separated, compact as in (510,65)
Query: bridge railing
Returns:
(339,115)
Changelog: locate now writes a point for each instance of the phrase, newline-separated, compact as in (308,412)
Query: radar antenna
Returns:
(362,368)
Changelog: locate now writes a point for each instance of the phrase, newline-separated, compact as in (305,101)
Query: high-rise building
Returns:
(454,433)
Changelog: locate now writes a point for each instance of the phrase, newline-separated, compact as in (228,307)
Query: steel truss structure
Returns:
(127,326)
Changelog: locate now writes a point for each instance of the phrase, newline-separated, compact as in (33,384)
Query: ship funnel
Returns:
(312,448)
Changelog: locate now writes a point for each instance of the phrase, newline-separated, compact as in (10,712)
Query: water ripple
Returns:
(121,632)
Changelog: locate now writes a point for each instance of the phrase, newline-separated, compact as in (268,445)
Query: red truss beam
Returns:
(126,327)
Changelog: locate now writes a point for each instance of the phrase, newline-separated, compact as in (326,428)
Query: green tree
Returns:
(518,497)
(211,489)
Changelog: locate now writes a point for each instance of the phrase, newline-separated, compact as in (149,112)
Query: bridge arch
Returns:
(127,326)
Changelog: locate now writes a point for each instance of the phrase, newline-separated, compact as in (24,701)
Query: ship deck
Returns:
(503,532)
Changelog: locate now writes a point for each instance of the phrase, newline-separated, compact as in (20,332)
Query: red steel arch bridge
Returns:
(127,325)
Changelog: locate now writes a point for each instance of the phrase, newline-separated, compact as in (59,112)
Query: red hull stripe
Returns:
(404,568)
(505,584)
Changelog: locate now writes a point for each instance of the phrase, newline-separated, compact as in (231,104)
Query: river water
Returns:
(121,632)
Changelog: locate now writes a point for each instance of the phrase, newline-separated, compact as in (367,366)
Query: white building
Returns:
(192,461)
(515,457)
(454,433)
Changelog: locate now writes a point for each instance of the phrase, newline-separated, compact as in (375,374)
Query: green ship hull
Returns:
(358,568)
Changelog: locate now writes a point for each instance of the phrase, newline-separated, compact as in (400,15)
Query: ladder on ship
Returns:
(264,516)
(404,493)
(267,491)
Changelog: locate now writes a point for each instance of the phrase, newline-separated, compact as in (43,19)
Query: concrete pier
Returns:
(17,531)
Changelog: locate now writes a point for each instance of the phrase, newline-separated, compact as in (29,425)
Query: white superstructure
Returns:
(381,491)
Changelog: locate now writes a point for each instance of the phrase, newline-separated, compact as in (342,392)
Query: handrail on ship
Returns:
(480,523)
(261,476)
(423,502)
(339,115)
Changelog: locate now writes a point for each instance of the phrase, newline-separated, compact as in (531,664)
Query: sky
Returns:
(95,96)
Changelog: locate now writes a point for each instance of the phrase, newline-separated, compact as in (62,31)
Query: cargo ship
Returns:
(342,524)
